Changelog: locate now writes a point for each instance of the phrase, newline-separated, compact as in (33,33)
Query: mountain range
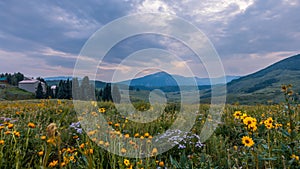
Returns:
(164,79)
(263,86)
(55,78)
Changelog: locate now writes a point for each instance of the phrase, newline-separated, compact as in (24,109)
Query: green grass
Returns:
(14,93)
(22,146)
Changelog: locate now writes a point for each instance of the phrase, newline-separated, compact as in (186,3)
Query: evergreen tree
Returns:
(68,89)
(39,94)
(13,79)
(76,92)
(49,93)
(61,90)
(19,76)
(107,93)
(41,79)
(100,94)
(87,89)
(116,96)
(8,76)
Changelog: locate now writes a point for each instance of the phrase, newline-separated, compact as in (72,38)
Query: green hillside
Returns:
(14,93)
(265,85)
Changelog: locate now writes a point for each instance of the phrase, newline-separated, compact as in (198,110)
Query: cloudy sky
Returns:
(44,38)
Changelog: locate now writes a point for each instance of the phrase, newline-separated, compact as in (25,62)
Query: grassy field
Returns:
(48,134)
(14,93)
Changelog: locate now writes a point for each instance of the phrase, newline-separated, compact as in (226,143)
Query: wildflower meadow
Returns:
(48,134)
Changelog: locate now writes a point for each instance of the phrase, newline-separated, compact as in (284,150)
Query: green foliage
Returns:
(264,85)
(183,163)
(276,146)
(13,79)
(86,89)
(106,94)
(39,94)
(64,89)
(14,93)
(116,96)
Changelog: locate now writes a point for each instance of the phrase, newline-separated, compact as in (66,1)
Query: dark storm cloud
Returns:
(267,26)
(62,25)
(29,27)
(52,33)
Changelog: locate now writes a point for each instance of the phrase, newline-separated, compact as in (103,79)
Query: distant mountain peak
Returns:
(164,79)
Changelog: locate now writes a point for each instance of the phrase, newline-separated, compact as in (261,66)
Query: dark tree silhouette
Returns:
(116,96)
(39,94)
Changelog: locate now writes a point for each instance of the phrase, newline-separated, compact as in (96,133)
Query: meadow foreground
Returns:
(48,134)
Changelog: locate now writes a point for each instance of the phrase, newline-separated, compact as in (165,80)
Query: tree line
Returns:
(84,90)
(13,79)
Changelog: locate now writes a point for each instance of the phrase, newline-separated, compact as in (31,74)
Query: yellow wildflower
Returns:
(268,121)
(154,151)
(126,135)
(252,127)
(63,164)
(31,125)
(237,114)
(269,126)
(123,150)
(72,158)
(41,153)
(7,132)
(101,142)
(17,134)
(235,148)
(247,141)
(243,116)
(53,163)
(126,162)
(161,164)
(10,126)
(146,134)
(81,145)
(102,110)
(94,103)
(295,157)
(248,121)
(94,114)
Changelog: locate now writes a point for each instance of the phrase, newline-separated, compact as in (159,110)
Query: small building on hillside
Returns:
(53,88)
(3,82)
(31,85)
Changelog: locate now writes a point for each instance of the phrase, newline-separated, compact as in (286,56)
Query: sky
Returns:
(44,38)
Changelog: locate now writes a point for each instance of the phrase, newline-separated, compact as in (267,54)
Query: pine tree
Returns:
(49,93)
(107,93)
(60,91)
(68,89)
(116,96)
(39,92)
(87,89)
(76,92)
